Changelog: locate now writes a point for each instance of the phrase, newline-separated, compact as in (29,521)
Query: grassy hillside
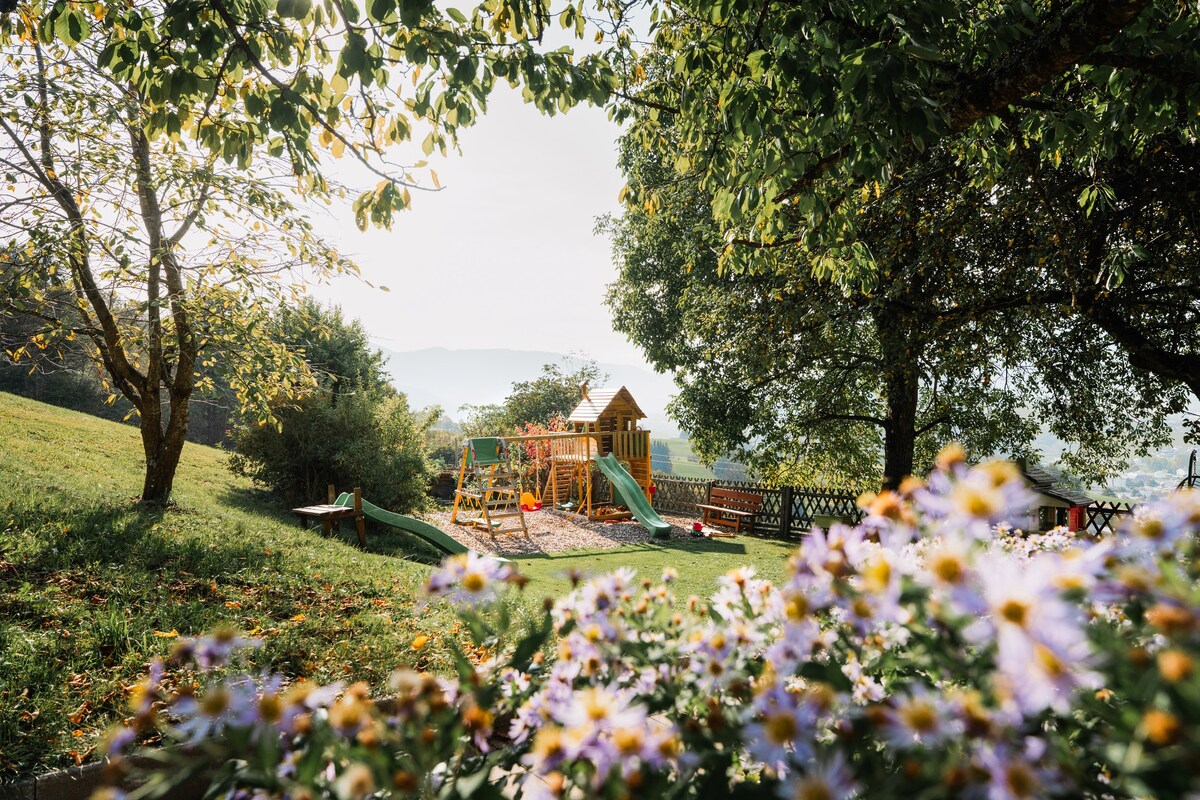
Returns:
(684,462)
(91,588)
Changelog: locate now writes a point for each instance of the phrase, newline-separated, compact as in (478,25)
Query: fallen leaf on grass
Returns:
(81,712)
(171,634)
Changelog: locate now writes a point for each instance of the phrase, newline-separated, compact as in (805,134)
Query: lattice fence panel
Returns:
(1106,516)
(679,495)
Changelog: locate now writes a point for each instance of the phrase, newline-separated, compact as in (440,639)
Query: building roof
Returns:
(594,406)
(1045,483)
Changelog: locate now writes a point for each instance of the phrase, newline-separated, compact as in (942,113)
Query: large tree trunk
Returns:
(163,446)
(900,351)
(163,449)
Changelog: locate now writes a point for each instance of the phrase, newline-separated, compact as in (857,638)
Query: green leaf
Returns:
(71,27)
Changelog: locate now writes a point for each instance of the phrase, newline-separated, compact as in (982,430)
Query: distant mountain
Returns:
(454,378)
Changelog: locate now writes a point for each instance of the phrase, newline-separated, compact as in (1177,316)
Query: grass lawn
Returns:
(92,588)
(698,563)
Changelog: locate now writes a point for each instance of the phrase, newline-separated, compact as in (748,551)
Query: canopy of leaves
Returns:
(805,379)
(309,81)
(788,116)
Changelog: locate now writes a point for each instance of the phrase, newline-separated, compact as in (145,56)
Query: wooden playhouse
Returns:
(605,421)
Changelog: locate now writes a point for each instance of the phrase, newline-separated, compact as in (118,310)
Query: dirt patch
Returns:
(552,531)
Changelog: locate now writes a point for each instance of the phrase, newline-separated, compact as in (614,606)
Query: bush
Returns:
(376,443)
(354,429)
(928,652)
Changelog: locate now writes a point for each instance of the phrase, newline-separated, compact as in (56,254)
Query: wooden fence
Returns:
(1106,516)
(787,511)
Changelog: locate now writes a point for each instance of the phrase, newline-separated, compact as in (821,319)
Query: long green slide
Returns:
(629,494)
(416,527)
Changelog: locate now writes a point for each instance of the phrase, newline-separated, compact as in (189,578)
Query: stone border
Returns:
(78,783)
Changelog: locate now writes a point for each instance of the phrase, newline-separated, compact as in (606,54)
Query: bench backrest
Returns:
(730,498)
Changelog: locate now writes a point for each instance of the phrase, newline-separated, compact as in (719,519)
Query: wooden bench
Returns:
(330,514)
(731,508)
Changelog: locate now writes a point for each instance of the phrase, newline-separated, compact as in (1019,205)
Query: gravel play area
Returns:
(552,531)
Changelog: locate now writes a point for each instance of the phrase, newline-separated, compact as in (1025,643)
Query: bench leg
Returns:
(361,525)
(326,527)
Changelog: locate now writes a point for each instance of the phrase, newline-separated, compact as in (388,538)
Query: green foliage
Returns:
(788,117)
(353,429)
(443,447)
(307,80)
(964,336)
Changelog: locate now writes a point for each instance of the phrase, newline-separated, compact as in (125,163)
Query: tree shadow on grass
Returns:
(54,537)
(381,539)
(261,502)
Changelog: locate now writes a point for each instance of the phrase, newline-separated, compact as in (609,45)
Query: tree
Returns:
(660,457)
(963,337)
(158,258)
(787,116)
(1122,237)
(298,79)
(351,429)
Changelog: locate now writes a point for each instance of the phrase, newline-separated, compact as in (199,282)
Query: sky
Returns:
(504,256)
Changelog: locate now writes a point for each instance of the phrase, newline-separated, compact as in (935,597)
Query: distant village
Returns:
(1151,477)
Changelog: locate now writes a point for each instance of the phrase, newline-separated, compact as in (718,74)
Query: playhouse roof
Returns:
(597,403)
(1044,483)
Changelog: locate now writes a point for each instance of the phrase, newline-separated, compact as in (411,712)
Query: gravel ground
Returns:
(552,531)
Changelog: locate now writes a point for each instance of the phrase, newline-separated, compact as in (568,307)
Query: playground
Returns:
(587,487)
(554,531)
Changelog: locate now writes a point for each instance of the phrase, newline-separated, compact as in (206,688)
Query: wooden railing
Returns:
(631,444)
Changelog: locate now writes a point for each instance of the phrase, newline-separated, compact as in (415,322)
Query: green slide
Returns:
(424,530)
(629,494)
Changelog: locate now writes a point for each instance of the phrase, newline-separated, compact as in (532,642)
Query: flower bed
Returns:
(928,652)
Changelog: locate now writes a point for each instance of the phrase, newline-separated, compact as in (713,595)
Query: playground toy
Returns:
(487,493)
(422,530)
(604,435)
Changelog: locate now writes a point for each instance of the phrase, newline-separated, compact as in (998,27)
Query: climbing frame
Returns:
(488,494)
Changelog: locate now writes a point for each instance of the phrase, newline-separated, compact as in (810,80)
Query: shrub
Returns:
(354,429)
(928,652)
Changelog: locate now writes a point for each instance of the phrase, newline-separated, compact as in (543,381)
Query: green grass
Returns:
(92,587)
(684,463)
(699,563)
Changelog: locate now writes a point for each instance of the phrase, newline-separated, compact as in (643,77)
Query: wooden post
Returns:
(332,495)
(785,511)
(359,520)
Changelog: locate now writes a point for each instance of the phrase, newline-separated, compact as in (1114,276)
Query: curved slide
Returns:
(439,539)
(630,495)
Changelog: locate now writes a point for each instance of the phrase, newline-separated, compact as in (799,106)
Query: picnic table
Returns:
(331,514)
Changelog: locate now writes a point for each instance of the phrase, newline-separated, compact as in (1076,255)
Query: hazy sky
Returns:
(504,256)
